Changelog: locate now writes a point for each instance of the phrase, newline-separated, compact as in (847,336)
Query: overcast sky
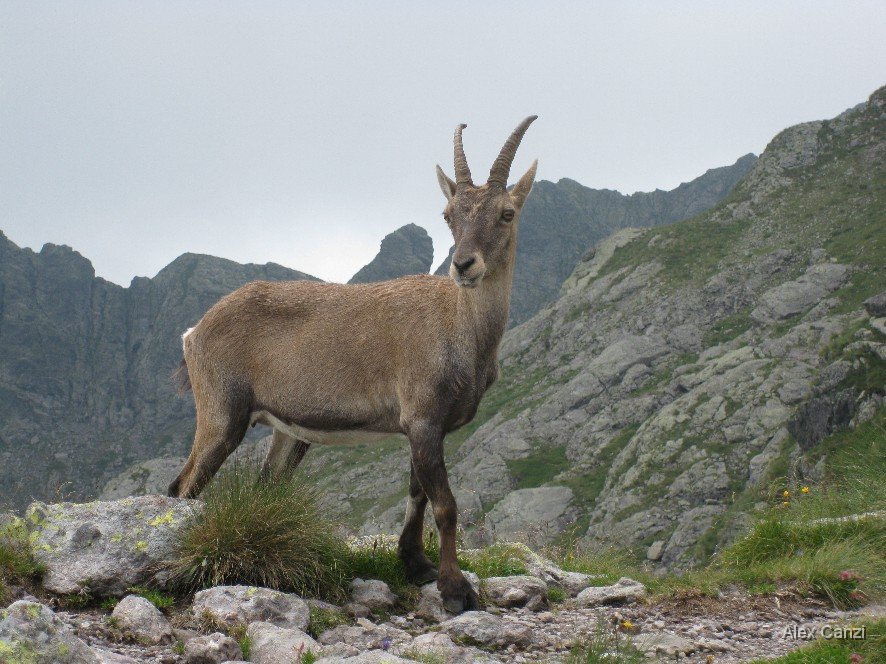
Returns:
(302,133)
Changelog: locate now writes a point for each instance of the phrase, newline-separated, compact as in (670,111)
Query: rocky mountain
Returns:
(85,364)
(408,250)
(681,369)
(562,220)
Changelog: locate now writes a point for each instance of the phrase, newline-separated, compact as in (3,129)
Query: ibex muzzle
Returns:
(332,364)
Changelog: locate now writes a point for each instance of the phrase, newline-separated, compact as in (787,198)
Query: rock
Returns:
(106,547)
(482,629)
(109,657)
(374,594)
(229,606)
(655,550)
(371,657)
(31,633)
(139,618)
(516,591)
(356,610)
(365,635)
(270,644)
(408,250)
(533,515)
(212,649)
(437,647)
(669,645)
(794,297)
(147,477)
(430,604)
(626,590)
(876,305)
(821,416)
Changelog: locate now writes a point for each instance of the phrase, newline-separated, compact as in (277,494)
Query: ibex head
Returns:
(484,219)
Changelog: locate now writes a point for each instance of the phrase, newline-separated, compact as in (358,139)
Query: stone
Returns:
(371,593)
(228,606)
(668,645)
(876,305)
(365,635)
(485,630)
(533,515)
(106,547)
(270,644)
(625,591)
(516,591)
(147,477)
(655,550)
(212,649)
(109,657)
(30,632)
(142,620)
(793,297)
(436,647)
(371,657)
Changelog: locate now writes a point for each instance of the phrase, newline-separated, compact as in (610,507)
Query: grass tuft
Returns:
(270,534)
(606,646)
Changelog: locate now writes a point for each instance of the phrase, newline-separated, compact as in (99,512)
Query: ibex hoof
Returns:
(458,596)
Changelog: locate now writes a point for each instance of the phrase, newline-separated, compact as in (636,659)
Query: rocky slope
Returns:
(408,250)
(562,220)
(85,364)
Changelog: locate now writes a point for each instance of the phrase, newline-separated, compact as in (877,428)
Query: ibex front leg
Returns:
(426,441)
(419,568)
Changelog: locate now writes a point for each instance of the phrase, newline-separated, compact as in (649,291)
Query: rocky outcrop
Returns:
(31,632)
(230,606)
(106,547)
(408,250)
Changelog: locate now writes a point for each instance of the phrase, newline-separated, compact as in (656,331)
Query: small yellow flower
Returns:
(805,489)
(627,624)
(786,494)
(786,504)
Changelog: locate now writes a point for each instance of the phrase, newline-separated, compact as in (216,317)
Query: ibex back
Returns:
(336,364)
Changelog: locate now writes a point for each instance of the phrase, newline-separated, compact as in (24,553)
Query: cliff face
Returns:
(562,220)
(85,364)
(408,250)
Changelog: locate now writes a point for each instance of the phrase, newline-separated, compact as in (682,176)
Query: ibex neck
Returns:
(483,311)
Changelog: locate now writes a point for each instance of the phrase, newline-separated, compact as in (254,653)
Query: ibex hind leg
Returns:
(219,432)
(284,456)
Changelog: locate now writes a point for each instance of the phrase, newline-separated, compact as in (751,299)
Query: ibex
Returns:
(339,364)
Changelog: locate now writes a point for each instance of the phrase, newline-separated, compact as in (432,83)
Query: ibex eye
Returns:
(507,216)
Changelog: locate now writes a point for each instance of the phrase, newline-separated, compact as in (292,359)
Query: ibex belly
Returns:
(318,437)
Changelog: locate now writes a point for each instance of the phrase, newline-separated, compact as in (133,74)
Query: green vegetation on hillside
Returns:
(17,564)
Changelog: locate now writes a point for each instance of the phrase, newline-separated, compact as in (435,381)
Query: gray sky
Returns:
(302,133)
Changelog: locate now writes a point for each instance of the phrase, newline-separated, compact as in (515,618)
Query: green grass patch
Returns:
(541,466)
(727,328)
(323,619)
(17,564)
(159,599)
(270,534)
(872,648)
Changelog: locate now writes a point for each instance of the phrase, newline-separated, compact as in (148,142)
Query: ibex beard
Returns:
(333,364)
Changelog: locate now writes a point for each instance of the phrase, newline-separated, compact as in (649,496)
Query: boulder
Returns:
(655,550)
(373,594)
(371,657)
(106,547)
(668,645)
(437,647)
(794,297)
(212,649)
(533,515)
(516,591)
(228,606)
(30,632)
(365,635)
(626,590)
(140,619)
(876,305)
(270,644)
(478,628)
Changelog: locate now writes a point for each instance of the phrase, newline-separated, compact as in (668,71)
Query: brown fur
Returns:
(413,356)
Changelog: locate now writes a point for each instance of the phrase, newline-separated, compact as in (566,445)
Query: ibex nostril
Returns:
(464,265)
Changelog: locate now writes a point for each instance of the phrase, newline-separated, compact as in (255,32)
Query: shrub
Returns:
(271,534)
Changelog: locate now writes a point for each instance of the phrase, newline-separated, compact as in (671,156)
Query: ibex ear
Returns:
(447,186)
(524,185)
